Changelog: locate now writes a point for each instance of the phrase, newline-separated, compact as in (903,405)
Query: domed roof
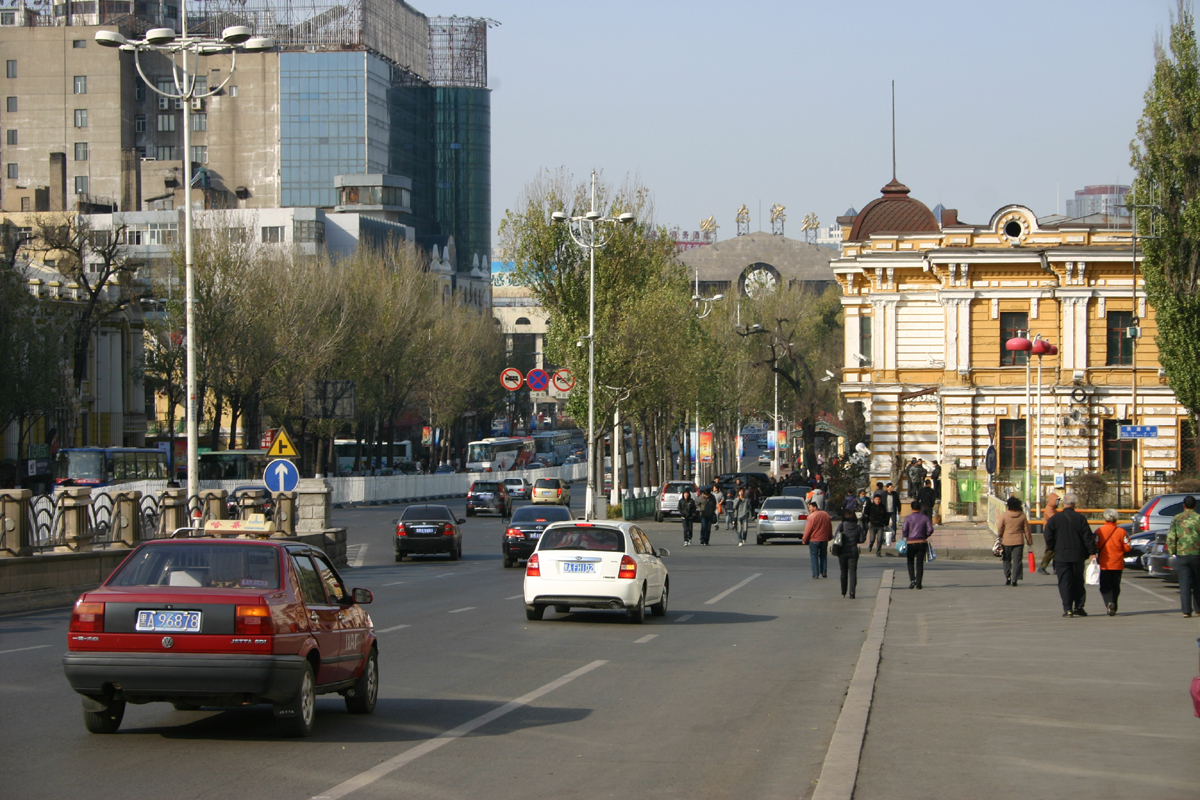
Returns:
(895,212)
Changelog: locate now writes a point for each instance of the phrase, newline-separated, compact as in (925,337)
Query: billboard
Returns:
(706,446)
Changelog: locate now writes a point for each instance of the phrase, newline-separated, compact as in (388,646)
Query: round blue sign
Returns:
(538,380)
(281,475)
(989,461)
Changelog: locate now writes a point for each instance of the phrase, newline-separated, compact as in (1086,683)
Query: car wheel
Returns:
(534,613)
(760,540)
(657,516)
(106,721)
(562,609)
(360,699)
(470,513)
(509,563)
(453,553)
(296,716)
(637,614)
(659,609)
(399,557)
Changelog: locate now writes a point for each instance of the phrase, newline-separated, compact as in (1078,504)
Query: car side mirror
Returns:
(362,596)
(462,522)
(663,552)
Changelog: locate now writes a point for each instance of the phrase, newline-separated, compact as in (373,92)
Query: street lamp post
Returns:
(583,232)
(181,49)
(704,307)
(1039,347)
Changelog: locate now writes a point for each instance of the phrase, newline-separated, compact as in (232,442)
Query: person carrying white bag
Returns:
(1071,538)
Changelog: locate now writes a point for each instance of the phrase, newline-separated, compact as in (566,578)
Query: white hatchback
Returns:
(596,565)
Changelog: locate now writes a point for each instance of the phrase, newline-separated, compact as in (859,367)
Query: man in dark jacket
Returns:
(687,512)
(878,519)
(1073,542)
(708,515)
(927,497)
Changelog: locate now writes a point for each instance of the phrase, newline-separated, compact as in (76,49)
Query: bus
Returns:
(346,450)
(553,447)
(106,466)
(233,465)
(500,454)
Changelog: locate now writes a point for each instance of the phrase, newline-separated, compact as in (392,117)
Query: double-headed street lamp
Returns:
(1033,444)
(178,48)
(591,231)
(704,307)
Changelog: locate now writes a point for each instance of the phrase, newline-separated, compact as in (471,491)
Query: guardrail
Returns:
(638,507)
(401,488)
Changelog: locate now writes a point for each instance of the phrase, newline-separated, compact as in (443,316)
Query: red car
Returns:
(226,623)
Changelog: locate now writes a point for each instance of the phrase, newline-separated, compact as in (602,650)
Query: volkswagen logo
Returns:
(168,641)
(579,558)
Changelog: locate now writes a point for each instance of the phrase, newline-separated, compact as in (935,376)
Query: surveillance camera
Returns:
(861,358)
(830,374)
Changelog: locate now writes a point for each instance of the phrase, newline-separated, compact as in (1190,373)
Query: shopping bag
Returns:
(1091,574)
(902,546)
(890,538)
(998,548)
(930,554)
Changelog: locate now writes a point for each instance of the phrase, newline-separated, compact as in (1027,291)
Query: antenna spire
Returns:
(893,129)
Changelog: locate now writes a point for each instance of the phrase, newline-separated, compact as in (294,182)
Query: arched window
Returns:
(523,321)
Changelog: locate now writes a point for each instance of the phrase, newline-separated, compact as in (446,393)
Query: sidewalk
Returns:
(971,541)
(986,691)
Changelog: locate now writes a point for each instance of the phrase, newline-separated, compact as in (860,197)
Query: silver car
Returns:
(1156,517)
(782,518)
(667,502)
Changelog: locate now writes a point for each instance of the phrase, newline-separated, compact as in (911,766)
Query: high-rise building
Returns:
(1107,199)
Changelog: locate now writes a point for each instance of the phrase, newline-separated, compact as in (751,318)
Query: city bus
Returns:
(346,450)
(233,465)
(553,447)
(500,454)
(106,466)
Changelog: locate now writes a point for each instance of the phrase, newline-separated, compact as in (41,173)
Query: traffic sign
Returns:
(1137,432)
(990,459)
(282,446)
(511,379)
(538,380)
(281,475)
(563,380)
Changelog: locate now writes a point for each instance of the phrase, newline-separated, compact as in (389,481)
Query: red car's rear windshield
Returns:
(206,566)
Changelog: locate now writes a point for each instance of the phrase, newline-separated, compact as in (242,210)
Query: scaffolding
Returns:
(458,51)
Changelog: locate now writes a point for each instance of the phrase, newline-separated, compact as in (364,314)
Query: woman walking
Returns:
(1111,546)
(916,531)
(1014,535)
(852,534)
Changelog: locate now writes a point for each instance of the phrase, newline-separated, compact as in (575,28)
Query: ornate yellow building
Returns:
(929,305)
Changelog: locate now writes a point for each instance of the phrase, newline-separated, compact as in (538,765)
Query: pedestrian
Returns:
(878,519)
(893,505)
(730,500)
(917,530)
(1070,537)
(1111,546)
(1049,511)
(819,483)
(927,498)
(1013,532)
(687,512)
(879,492)
(936,475)
(818,497)
(852,535)
(860,505)
(741,514)
(1183,542)
(849,503)
(708,515)
(719,496)
(817,533)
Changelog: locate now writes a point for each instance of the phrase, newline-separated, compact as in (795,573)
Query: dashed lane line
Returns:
(23,649)
(393,628)
(460,610)
(397,583)
(646,638)
(684,618)
(732,589)
(360,555)
(515,597)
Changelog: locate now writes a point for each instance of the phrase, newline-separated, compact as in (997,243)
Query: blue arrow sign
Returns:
(281,475)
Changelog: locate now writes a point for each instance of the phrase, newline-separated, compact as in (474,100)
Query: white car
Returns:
(596,565)
(518,488)
(764,459)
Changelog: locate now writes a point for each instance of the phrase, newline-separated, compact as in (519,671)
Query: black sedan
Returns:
(428,530)
(525,529)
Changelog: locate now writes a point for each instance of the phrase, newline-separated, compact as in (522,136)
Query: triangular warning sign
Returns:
(282,446)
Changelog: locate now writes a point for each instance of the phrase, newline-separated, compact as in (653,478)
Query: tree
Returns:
(1166,155)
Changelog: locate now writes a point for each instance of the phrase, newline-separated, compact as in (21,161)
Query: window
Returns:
(12,172)
(166,122)
(10,68)
(139,123)
(864,340)
(81,153)
(310,581)
(272,233)
(307,230)
(1120,346)
(199,122)
(81,84)
(333,584)
(232,89)
(10,105)
(1013,324)
(81,118)
(139,91)
(1118,453)
(79,44)
(200,154)
(165,153)
(8,18)
(10,136)
(25,204)
(81,184)
(1012,444)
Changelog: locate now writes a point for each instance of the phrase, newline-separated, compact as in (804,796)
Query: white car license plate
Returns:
(168,622)
(534,535)
(570,566)
(783,517)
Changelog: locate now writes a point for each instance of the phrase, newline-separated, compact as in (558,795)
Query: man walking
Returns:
(892,498)
(927,498)
(687,512)
(708,515)
(1073,542)
(1049,511)
(936,476)
(917,530)
(719,497)
(817,533)
(1183,542)
(739,510)
(878,519)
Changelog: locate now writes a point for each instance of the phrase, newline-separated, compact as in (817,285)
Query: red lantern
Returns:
(1040,348)
(1017,344)
(1053,350)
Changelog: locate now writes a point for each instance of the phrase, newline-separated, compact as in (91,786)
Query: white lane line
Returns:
(732,589)
(460,610)
(646,638)
(23,649)
(445,575)
(397,583)
(360,555)
(1155,594)
(389,630)
(684,618)
(515,597)
(429,745)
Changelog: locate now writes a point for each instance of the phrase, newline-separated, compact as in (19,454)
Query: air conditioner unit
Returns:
(197,104)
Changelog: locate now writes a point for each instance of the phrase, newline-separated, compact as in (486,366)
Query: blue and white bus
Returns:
(553,447)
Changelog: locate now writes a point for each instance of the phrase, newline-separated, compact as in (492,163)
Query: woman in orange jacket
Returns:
(1111,546)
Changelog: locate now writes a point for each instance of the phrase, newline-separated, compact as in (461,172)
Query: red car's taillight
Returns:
(628,568)
(448,530)
(252,620)
(514,533)
(87,617)
(532,568)
(1149,510)
(401,530)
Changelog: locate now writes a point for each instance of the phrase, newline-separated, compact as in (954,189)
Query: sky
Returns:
(712,105)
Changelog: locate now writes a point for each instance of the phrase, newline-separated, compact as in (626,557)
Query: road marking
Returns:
(429,745)
(397,583)
(515,597)
(360,555)
(23,649)
(460,610)
(1166,600)
(445,575)
(731,590)
(840,770)
(646,638)
(685,618)
(393,628)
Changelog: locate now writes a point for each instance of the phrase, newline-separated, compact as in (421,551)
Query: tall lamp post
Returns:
(586,234)
(182,50)
(1039,347)
(754,330)
(704,307)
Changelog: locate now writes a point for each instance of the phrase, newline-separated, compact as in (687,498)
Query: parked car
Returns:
(1158,513)
(488,497)
(518,488)
(523,531)
(782,518)
(1140,545)
(596,565)
(266,506)
(551,490)
(667,502)
(444,469)
(428,529)
(408,468)
(225,623)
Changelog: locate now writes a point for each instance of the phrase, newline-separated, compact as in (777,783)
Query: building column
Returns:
(950,310)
